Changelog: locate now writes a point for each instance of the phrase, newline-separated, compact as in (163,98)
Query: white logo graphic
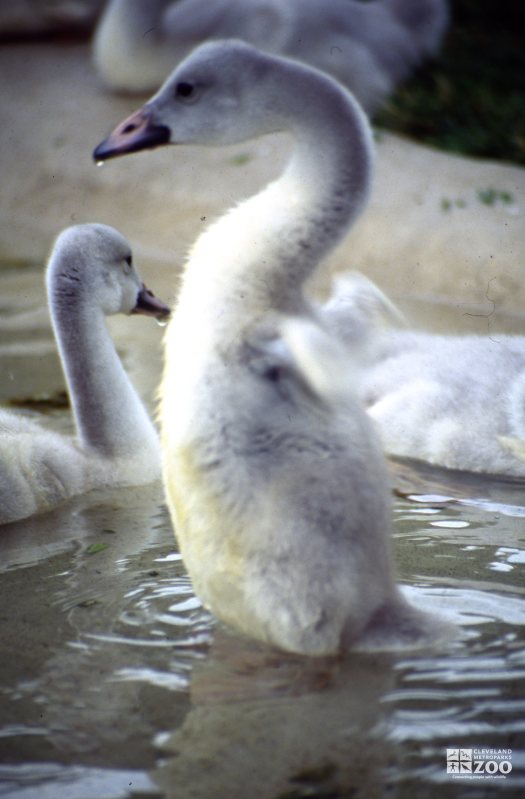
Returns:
(459,761)
(479,763)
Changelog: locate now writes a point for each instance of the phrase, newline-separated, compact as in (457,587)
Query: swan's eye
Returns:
(128,264)
(274,373)
(184,91)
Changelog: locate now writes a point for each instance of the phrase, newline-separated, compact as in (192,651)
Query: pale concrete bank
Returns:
(426,231)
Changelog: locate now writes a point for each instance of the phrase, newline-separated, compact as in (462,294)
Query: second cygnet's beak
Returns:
(136,132)
(149,305)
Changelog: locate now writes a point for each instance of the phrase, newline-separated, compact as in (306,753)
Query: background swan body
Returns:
(89,276)
(370,47)
(454,401)
(275,481)
(352,312)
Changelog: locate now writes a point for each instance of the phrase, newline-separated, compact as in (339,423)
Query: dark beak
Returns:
(137,132)
(149,305)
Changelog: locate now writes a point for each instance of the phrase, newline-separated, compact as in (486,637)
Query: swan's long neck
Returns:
(109,415)
(258,256)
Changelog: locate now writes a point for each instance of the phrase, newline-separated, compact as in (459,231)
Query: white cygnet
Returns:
(90,275)
(275,481)
(453,401)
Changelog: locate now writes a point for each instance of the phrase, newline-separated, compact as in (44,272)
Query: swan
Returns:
(274,478)
(456,401)
(352,313)
(90,275)
(370,47)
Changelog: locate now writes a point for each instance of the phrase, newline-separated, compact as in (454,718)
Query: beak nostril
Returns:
(137,132)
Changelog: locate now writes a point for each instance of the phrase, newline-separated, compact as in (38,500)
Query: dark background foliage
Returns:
(471,98)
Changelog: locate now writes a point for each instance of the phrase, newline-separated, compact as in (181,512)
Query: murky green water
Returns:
(114,682)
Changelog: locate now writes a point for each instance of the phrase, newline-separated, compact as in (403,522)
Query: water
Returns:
(115,682)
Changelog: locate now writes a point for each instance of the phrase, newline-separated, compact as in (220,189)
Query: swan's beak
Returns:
(149,305)
(136,132)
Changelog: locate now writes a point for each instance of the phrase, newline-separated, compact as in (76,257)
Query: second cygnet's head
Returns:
(93,264)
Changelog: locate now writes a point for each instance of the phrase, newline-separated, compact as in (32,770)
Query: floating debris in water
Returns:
(58,399)
(99,546)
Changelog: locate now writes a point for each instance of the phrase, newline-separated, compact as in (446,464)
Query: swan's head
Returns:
(224,92)
(94,264)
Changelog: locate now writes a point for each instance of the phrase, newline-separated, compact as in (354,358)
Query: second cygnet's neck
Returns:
(130,49)
(258,256)
(109,415)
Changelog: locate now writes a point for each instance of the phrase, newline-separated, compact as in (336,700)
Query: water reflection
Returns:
(264,724)
(66,693)
(110,662)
